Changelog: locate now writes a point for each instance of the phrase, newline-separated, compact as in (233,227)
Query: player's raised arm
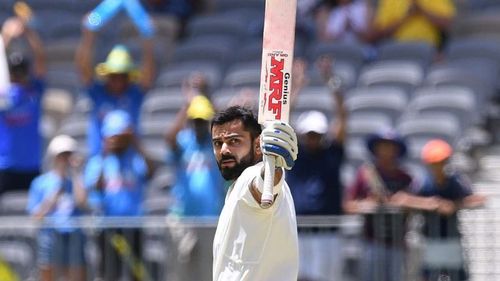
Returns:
(85,56)
(148,64)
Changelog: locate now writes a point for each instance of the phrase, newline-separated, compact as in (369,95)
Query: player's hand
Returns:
(279,139)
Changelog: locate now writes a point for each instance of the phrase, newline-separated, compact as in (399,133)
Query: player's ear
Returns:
(256,148)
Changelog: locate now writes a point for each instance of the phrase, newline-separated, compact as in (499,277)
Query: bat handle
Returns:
(267,194)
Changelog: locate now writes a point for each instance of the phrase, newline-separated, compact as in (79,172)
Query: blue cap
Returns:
(389,135)
(116,122)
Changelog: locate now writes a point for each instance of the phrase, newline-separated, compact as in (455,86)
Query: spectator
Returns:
(118,174)
(199,188)
(382,187)
(315,181)
(413,20)
(59,195)
(348,21)
(117,85)
(444,255)
(20,110)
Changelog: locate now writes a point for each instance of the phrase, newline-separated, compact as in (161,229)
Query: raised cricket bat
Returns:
(276,75)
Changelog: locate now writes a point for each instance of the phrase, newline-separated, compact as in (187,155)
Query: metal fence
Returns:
(382,246)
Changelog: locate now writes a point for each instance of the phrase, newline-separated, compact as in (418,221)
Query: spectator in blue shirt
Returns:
(198,190)
(20,109)
(59,195)
(118,175)
(315,179)
(118,84)
(443,257)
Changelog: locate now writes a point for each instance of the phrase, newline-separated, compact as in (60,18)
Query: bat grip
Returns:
(267,193)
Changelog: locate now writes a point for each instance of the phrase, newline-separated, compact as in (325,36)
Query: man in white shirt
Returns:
(252,243)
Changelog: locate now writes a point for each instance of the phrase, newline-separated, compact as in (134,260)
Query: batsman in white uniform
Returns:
(252,243)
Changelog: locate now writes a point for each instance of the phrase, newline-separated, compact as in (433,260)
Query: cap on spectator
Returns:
(118,61)
(312,121)
(389,135)
(436,151)
(200,108)
(61,144)
(115,123)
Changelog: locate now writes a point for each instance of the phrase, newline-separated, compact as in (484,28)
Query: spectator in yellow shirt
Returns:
(413,20)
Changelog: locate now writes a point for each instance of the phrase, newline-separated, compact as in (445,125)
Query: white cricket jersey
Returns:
(255,244)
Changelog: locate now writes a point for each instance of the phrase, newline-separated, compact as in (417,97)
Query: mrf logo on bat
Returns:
(277,85)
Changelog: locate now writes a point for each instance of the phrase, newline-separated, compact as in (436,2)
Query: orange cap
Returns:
(436,151)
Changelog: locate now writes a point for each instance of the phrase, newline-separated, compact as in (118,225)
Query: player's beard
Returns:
(234,172)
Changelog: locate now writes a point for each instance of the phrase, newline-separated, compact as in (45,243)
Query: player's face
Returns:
(234,149)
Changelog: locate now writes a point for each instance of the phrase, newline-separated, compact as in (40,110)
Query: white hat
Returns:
(312,121)
(61,144)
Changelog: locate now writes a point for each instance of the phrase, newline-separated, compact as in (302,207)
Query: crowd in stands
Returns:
(113,179)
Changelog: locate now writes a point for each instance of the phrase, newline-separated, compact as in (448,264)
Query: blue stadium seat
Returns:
(418,52)
(474,47)
(175,74)
(243,75)
(402,74)
(390,101)
(314,98)
(480,23)
(419,129)
(353,54)
(342,69)
(218,24)
(466,73)
(360,125)
(459,101)
(163,101)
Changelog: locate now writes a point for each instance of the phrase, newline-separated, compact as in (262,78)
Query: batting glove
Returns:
(279,139)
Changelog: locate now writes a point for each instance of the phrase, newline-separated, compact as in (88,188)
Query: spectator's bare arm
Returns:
(379,32)
(36,45)
(79,191)
(441,22)
(321,19)
(181,117)
(473,201)
(148,64)
(85,56)
(406,200)
(339,127)
(355,201)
